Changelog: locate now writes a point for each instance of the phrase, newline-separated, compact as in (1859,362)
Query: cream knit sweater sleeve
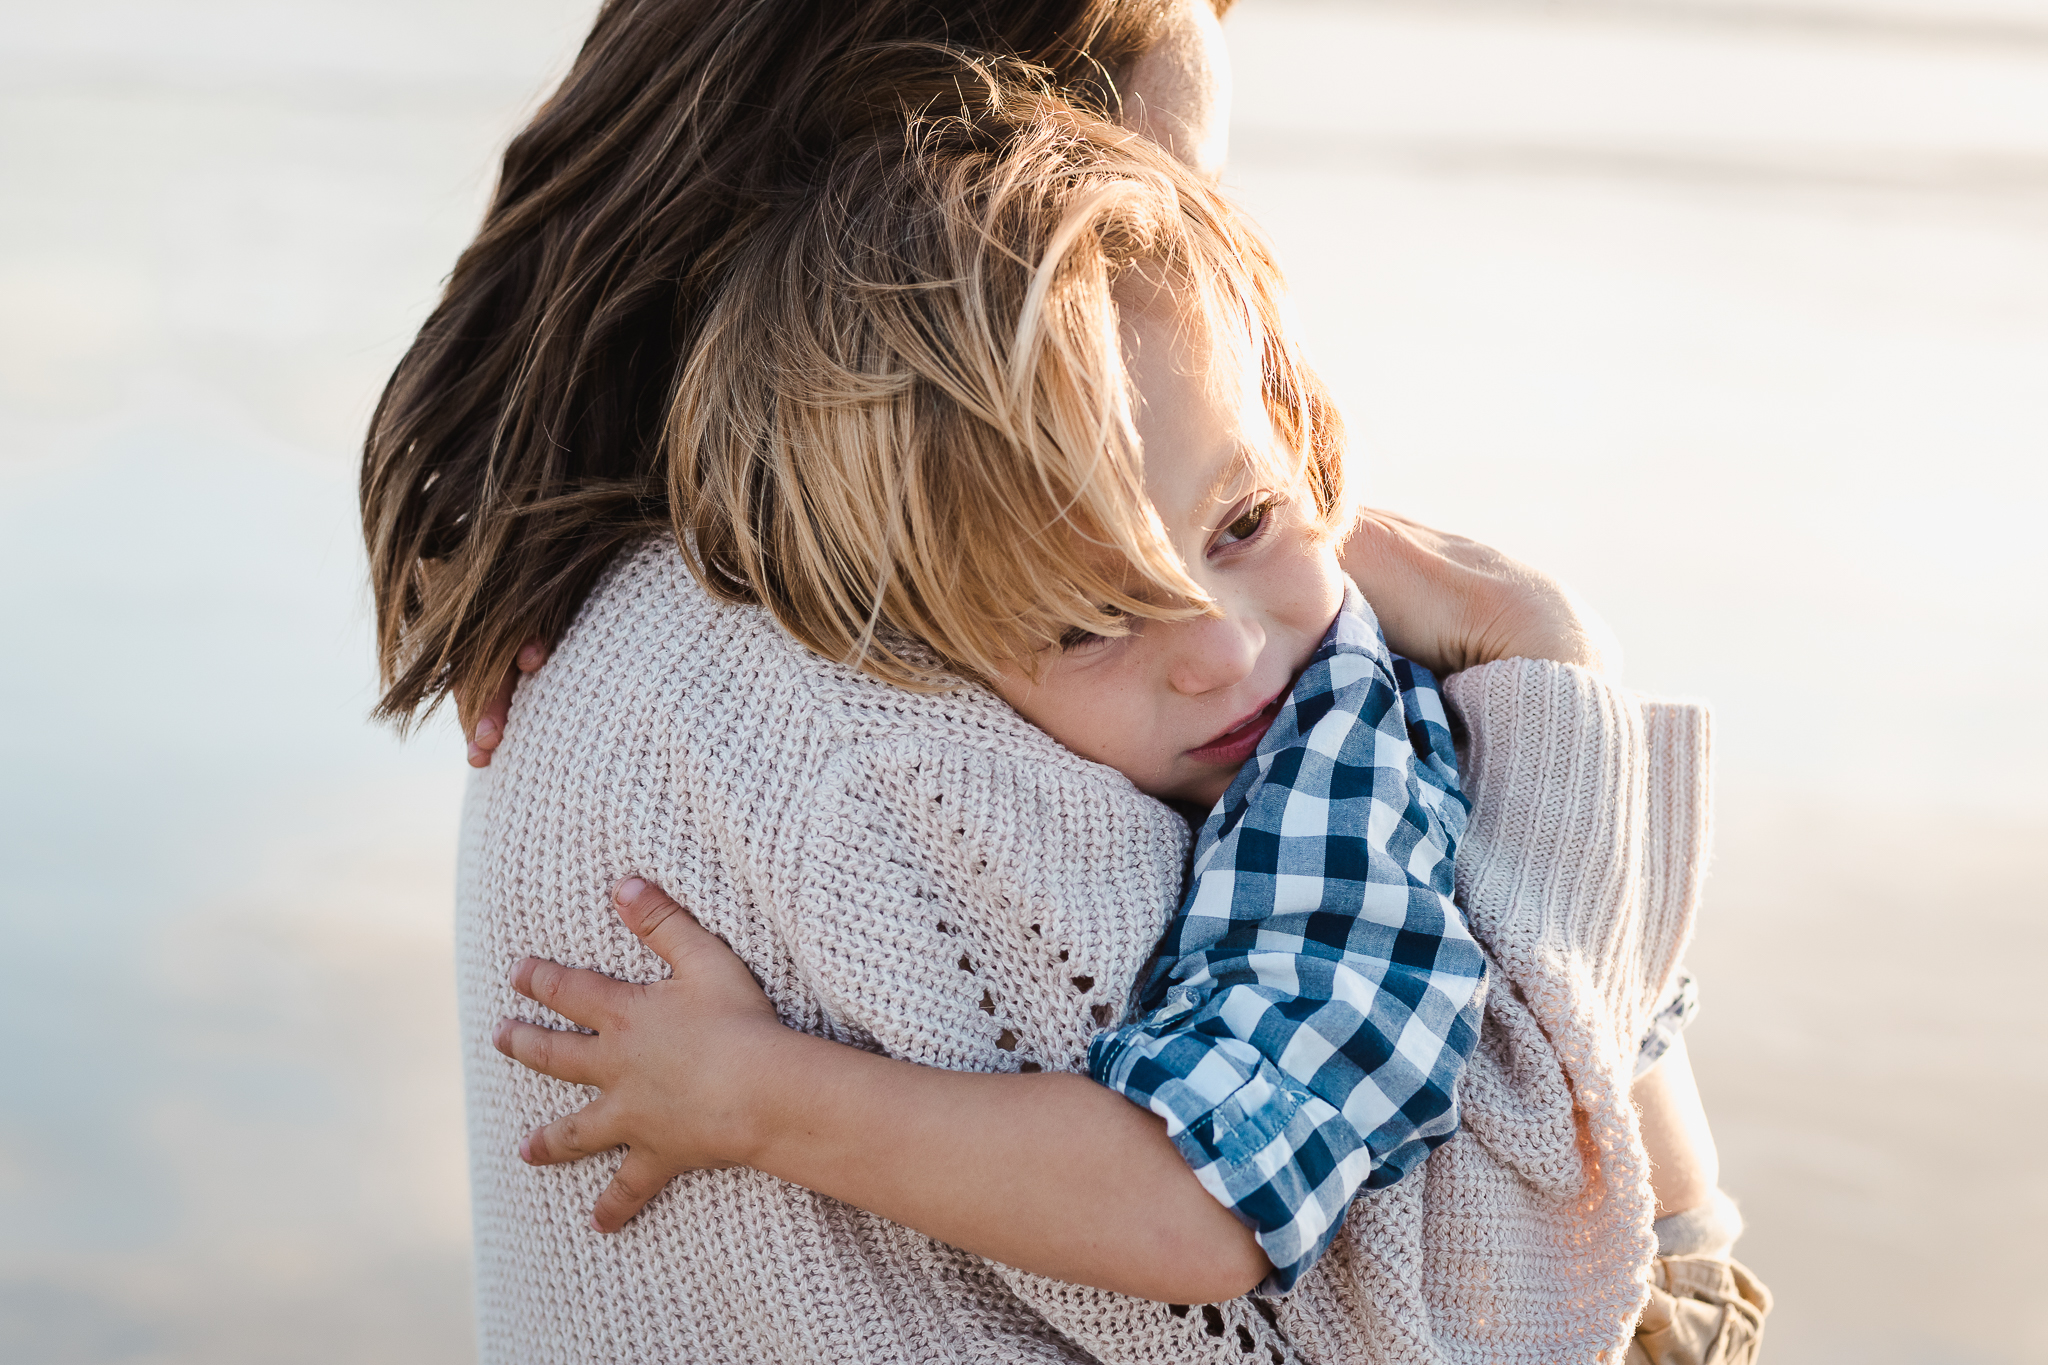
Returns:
(1525,1238)
(1587,846)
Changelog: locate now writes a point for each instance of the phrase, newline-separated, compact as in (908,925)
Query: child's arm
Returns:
(1050,1173)
(1685,1168)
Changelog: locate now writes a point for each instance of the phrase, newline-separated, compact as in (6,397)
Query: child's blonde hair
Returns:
(518,448)
(907,424)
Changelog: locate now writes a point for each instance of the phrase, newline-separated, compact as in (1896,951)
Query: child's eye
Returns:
(1076,638)
(1248,523)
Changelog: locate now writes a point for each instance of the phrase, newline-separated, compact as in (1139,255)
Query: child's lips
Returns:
(1241,740)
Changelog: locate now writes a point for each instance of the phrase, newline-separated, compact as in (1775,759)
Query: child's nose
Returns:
(1215,652)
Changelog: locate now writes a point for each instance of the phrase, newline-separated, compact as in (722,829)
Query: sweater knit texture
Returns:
(929,876)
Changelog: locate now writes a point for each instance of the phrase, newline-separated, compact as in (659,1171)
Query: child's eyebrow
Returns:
(1230,478)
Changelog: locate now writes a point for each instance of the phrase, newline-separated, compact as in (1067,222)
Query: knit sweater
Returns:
(929,876)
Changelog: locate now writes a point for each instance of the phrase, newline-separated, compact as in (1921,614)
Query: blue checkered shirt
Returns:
(1315,999)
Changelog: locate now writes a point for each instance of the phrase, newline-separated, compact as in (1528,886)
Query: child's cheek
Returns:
(1313,592)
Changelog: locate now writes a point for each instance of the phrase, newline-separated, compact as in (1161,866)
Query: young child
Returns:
(1033,421)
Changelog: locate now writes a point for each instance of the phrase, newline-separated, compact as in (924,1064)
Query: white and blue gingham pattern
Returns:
(1675,1013)
(1317,996)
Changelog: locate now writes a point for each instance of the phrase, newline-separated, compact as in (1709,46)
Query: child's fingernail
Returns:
(629,890)
(485,728)
(526,1149)
(595,1226)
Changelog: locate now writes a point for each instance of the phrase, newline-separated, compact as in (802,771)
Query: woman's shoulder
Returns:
(650,628)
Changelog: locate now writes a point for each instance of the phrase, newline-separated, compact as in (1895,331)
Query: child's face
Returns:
(1178,706)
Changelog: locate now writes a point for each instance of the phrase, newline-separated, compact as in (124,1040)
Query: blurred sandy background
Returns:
(1735,312)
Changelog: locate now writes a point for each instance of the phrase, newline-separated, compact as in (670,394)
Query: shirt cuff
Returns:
(1282,1159)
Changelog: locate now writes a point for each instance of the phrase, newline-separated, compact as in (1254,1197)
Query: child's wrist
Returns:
(781,1075)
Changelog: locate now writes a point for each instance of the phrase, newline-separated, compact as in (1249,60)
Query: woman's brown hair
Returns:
(520,442)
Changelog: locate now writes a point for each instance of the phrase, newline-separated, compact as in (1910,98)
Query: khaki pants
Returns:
(1702,1311)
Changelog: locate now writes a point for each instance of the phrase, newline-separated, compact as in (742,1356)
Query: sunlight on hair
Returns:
(907,430)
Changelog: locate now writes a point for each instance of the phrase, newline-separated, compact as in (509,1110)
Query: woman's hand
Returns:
(1450,603)
(675,1059)
(490,723)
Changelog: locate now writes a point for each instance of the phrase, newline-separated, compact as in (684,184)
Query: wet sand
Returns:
(1733,314)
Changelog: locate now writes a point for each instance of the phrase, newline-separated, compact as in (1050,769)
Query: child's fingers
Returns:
(639,1179)
(572,1137)
(661,924)
(571,1057)
(589,998)
(490,723)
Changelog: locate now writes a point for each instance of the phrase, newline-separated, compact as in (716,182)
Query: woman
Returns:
(528,527)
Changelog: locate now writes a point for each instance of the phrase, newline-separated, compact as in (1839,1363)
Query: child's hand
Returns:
(490,723)
(674,1058)
(1451,603)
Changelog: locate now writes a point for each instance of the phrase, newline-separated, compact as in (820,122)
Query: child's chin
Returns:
(1194,799)
(1206,794)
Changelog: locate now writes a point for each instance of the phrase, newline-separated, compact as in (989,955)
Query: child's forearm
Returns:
(1050,1173)
(1684,1165)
